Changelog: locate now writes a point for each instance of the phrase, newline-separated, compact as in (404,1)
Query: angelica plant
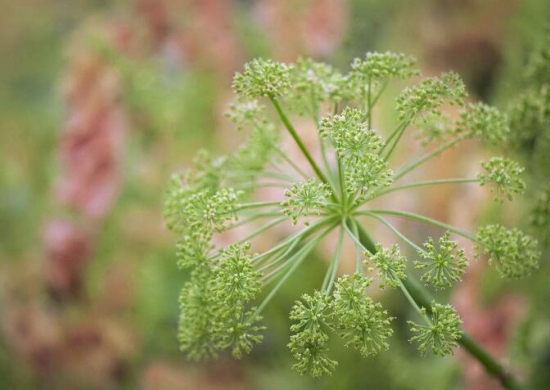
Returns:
(229,287)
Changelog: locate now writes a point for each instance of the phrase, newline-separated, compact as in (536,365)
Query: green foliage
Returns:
(504,174)
(514,253)
(443,332)
(443,264)
(390,265)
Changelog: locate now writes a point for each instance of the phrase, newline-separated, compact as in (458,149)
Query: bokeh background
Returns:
(100,101)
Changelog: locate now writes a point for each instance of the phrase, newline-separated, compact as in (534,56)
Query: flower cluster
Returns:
(504,173)
(485,122)
(514,253)
(262,78)
(310,197)
(228,287)
(390,265)
(441,334)
(360,321)
(422,102)
(443,265)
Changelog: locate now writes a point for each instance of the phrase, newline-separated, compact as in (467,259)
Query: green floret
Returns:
(422,102)
(310,351)
(244,113)
(504,174)
(263,78)
(369,173)
(514,253)
(390,265)
(383,66)
(485,122)
(196,326)
(312,84)
(442,334)
(350,135)
(206,212)
(443,265)
(360,321)
(236,282)
(240,332)
(310,312)
(305,199)
(309,343)
(193,249)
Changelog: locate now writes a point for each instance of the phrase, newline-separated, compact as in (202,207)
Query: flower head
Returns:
(442,334)
(360,321)
(390,265)
(306,198)
(485,122)
(426,98)
(504,174)
(514,253)
(262,78)
(443,264)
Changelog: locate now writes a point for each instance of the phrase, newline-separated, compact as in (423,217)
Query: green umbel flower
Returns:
(441,335)
(504,174)
(514,253)
(305,199)
(443,264)
(390,265)
(345,167)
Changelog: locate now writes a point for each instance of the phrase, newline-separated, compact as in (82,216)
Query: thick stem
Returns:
(423,298)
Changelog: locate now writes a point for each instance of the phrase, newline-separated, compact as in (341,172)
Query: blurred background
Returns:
(100,101)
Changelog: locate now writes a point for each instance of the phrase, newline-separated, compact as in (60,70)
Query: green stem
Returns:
(369,104)
(422,159)
(425,183)
(253,205)
(255,217)
(395,231)
(298,140)
(289,161)
(382,88)
(421,218)
(298,258)
(263,229)
(298,236)
(331,272)
(397,138)
(423,298)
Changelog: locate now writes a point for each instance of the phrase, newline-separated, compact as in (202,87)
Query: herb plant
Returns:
(228,289)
